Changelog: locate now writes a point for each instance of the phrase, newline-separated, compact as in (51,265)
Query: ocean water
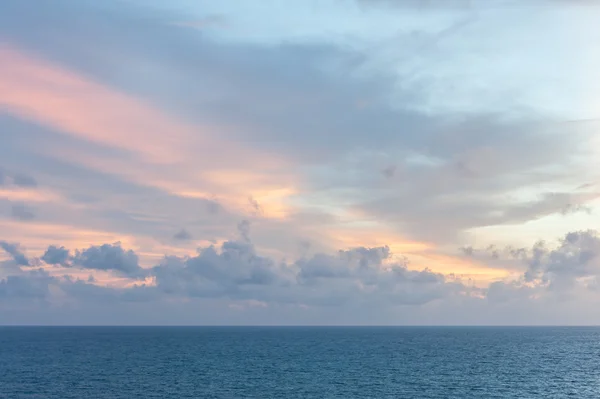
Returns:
(299,362)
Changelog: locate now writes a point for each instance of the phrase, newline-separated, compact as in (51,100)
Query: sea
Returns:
(299,362)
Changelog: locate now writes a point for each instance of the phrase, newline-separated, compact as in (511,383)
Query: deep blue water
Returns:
(299,362)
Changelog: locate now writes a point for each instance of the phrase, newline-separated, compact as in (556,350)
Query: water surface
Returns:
(299,362)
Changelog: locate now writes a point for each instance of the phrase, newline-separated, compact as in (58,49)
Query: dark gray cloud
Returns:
(14,251)
(56,255)
(234,271)
(182,235)
(110,257)
(21,212)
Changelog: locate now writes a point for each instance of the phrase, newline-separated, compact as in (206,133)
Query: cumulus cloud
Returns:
(574,262)
(576,258)
(56,255)
(109,257)
(232,271)
(235,271)
(369,275)
(361,272)
(362,278)
(14,251)
(347,263)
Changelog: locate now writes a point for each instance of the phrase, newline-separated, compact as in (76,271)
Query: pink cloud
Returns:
(74,104)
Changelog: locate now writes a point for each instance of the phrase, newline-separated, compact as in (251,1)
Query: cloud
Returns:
(420,4)
(575,208)
(211,21)
(346,264)
(21,212)
(23,180)
(33,285)
(577,257)
(212,207)
(56,255)
(575,262)
(351,140)
(363,281)
(182,235)
(232,272)
(14,251)
(298,100)
(256,208)
(361,272)
(389,171)
(109,257)
(17,179)
(244,230)
(504,292)
(235,271)
(438,211)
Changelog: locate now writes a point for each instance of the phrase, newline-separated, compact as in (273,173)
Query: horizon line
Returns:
(304,325)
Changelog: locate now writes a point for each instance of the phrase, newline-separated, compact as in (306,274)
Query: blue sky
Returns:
(299,162)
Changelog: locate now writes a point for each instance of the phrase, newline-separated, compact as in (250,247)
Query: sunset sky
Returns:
(299,162)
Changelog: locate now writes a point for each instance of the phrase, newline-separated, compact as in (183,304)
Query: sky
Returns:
(299,162)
